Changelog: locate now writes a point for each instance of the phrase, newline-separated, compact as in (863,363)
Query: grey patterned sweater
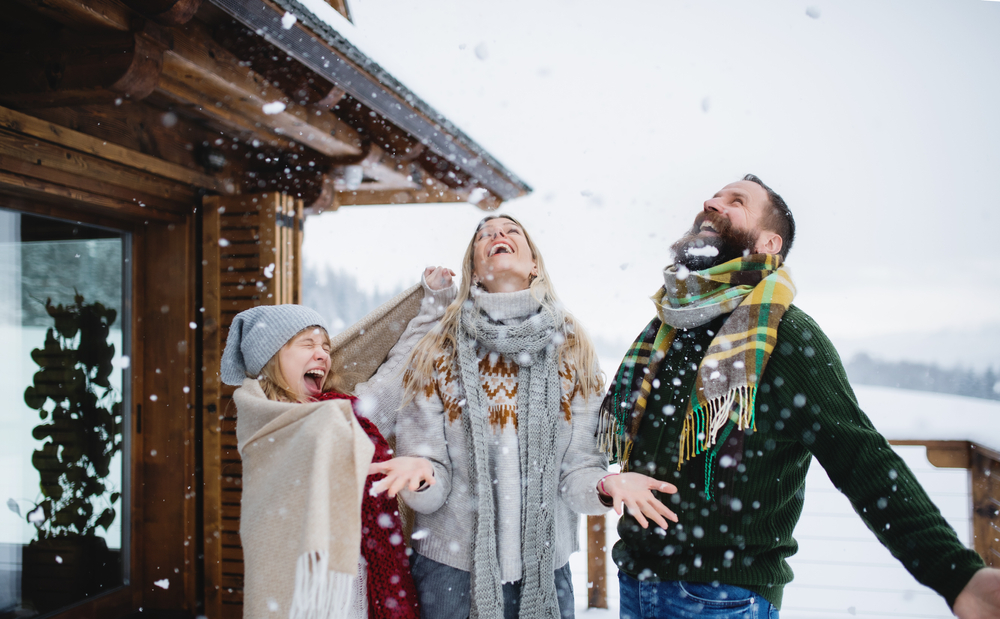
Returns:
(431,427)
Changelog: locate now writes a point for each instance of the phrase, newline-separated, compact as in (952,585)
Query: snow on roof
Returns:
(437,132)
(902,414)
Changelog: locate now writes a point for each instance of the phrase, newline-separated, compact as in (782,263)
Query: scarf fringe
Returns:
(319,592)
(702,424)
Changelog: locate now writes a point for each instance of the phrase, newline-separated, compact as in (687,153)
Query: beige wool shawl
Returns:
(304,470)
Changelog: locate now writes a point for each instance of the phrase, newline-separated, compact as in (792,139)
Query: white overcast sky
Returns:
(877,120)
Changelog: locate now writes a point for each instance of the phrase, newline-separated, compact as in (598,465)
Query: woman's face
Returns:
(305,362)
(502,260)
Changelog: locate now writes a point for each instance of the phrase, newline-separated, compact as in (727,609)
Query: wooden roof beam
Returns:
(202,75)
(72,68)
(428,191)
(85,14)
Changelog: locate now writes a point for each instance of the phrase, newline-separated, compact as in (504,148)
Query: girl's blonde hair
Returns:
(577,349)
(272,379)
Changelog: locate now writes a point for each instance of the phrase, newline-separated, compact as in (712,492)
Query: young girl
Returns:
(320,538)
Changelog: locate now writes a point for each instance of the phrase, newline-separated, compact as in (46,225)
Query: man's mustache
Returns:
(720,223)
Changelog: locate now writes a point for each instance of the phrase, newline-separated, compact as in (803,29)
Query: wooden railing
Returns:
(982,463)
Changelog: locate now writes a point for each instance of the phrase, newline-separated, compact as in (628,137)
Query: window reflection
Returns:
(63,380)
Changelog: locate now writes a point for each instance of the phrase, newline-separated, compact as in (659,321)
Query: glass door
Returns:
(64,386)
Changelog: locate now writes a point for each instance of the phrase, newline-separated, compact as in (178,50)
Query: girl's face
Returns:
(502,259)
(305,362)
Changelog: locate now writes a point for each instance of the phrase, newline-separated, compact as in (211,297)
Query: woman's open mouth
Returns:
(500,248)
(314,380)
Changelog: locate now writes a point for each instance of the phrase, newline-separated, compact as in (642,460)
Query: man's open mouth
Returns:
(501,248)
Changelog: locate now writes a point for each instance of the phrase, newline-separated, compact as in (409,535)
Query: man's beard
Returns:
(697,253)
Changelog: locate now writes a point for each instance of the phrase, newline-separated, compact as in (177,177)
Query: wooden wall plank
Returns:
(139,201)
(28,149)
(50,193)
(19,122)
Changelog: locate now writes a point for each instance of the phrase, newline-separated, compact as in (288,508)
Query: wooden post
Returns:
(211,428)
(985,477)
(597,569)
(298,235)
(983,465)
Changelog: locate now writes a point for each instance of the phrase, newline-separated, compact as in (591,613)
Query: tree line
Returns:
(865,370)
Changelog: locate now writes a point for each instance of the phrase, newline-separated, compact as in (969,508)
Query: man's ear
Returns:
(768,243)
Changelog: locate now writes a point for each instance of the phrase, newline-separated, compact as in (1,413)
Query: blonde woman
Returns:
(502,398)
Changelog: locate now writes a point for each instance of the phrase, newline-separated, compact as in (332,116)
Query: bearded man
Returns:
(728,394)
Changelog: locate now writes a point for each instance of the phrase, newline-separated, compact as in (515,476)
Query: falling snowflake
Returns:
(274,107)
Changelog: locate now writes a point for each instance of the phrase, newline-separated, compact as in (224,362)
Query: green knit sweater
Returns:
(742,535)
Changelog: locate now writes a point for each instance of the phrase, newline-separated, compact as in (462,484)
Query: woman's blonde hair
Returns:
(577,349)
(272,379)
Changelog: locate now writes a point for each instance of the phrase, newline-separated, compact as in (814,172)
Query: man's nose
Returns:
(713,205)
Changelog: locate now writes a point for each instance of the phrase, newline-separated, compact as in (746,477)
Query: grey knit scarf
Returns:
(530,345)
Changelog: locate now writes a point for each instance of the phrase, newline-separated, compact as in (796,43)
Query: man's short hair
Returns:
(779,219)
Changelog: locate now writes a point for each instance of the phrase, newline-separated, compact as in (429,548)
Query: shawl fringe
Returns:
(320,593)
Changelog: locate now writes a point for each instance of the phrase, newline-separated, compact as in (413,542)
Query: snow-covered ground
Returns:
(841,570)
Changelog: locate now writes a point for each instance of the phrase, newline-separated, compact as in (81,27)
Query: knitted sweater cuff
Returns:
(951,584)
(438,299)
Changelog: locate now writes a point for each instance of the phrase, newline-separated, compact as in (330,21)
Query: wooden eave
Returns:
(190,58)
(315,45)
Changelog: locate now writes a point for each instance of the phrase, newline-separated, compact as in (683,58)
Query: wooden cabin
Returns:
(157,159)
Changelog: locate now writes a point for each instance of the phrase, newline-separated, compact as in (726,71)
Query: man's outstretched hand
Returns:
(980,599)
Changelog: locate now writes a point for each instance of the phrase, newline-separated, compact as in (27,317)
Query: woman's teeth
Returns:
(496,249)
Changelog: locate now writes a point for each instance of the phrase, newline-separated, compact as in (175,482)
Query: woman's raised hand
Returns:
(635,491)
(402,472)
(438,278)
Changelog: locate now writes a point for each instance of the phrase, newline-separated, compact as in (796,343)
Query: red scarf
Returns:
(391,592)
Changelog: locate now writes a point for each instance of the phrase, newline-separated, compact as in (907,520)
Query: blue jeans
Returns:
(684,600)
(444,591)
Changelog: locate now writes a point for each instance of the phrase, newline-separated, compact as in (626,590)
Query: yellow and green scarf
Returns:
(755,291)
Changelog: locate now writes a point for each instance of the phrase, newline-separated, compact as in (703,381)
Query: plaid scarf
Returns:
(755,290)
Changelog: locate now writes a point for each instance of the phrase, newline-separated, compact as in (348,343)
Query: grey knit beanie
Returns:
(258,333)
